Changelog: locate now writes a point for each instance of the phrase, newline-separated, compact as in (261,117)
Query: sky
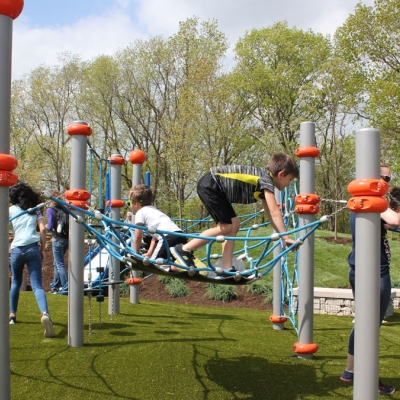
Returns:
(90,28)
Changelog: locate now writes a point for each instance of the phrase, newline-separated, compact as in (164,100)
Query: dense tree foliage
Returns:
(174,99)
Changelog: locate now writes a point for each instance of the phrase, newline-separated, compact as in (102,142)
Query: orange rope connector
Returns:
(306,209)
(276,319)
(7,178)
(79,128)
(308,198)
(307,151)
(133,281)
(118,160)
(77,194)
(309,348)
(8,162)
(368,204)
(368,187)
(115,203)
(79,203)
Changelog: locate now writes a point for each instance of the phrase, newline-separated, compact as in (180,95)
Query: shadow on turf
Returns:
(256,378)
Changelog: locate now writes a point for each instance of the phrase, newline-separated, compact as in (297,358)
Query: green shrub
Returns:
(221,292)
(259,287)
(177,288)
(165,279)
(124,289)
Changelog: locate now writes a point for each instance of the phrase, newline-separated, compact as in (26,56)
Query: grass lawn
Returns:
(164,351)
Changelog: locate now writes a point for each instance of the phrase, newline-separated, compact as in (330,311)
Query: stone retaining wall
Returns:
(340,302)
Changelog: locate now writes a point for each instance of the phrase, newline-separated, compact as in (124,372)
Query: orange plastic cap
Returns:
(79,128)
(118,160)
(11,8)
(137,157)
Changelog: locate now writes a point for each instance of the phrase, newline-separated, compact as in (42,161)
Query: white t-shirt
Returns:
(151,216)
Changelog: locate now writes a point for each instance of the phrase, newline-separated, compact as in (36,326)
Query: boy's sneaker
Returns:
(388,390)
(182,257)
(48,326)
(12,320)
(347,376)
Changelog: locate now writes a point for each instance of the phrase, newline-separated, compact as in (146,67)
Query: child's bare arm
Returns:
(137,239)
(275,216)
(152,246)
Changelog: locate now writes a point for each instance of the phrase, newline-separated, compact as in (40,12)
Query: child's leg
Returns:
(228,246)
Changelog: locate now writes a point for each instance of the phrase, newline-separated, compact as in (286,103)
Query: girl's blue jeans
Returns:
(30,256)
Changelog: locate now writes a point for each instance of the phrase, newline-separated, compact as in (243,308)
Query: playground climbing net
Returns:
(255,257)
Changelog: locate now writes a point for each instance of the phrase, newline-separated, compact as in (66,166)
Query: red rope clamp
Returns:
(307,151)
(310,198)
(77,194)
(133,281)
(79,203)
(115,203)
(301,348)
(368,204)
(7,178)
(306,209)
(276,319)
(368,187)
(8,162)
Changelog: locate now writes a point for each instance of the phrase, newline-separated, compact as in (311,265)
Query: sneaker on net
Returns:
(383,389)
(347,376)
(12,320)
(48,326)
(182,257)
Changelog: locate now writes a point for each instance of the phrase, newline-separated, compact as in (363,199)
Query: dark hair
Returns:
(394,198)
(24,196)
(282,162)
(141,193)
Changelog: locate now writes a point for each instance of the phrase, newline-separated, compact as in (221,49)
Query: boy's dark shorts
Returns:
(215,200)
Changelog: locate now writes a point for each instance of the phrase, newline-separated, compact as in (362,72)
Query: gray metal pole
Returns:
(8,12)
(5,96)
(367,243)
(306,258)
(116,162)
(137,158)
(78,131)
(277,301)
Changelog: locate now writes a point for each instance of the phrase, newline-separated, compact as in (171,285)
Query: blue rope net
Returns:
(254,259)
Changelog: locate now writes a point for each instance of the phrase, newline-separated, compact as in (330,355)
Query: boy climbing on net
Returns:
(141,199)
(222,186)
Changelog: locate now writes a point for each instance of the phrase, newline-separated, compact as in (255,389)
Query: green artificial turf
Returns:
(162,351)
(166,351)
